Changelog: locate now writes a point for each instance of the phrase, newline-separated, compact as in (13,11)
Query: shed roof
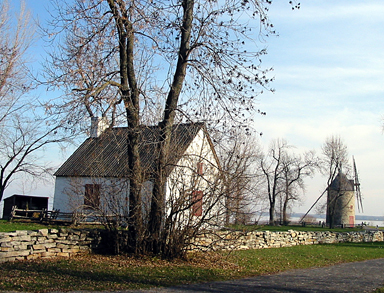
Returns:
(106,156)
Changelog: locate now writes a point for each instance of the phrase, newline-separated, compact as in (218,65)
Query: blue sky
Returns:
(328,65)
(329,79)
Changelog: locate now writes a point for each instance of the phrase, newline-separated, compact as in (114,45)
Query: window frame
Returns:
(92,196)
(197,203)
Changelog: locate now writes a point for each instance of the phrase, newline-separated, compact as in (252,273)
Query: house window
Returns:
(200,168)
(197,203)
(92,196)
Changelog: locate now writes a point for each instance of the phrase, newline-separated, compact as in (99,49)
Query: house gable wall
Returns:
(70,191)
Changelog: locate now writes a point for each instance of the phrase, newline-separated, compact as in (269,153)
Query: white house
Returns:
(95,175)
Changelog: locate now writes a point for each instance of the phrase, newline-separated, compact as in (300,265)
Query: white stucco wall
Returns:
(69,193)
(184,180)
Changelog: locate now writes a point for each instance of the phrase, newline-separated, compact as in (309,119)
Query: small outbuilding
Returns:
(26,202)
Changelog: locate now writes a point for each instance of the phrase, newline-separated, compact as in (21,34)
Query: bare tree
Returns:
(238,156)
(284,173)
(191,58)
(14,42)
(271,168)
(335,157)
(24,129)
(294,170)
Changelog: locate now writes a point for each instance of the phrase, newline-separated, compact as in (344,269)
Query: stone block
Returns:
(7,244)
(47,254)
(23,252)
(43,232)
(21,232)
(73,237)
(6,249)
(38,247)
(71,250)
(61,245)
(54,250)
(50,245)
(8,254)
(32,256)
(45,240)
(20,247)
(63,254)
(26,238)
(5,239)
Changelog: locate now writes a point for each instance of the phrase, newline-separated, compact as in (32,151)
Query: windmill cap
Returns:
(341,182)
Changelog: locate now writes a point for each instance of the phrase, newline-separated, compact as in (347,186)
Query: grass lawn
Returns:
(291,227)
(6,226)
(97,272)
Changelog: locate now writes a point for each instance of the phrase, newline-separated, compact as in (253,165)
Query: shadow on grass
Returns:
(44,276)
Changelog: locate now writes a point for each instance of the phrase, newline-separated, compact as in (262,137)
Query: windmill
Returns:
(357,187)
(344,207)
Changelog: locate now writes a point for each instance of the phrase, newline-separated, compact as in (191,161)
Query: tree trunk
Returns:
(131,96)
(135,221)
(285,207)
(272,213)
(2,189)
(157,237)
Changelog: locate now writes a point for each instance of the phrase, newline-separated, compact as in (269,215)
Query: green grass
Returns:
(98,273)
(6,226)
(290,227)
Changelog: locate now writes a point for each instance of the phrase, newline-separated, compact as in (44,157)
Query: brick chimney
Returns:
(98,125)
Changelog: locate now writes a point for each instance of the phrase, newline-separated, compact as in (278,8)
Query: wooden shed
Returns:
(24,202)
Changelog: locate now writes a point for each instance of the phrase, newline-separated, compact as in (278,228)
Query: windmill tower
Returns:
(341,202)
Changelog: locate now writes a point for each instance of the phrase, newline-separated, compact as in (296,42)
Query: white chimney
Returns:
(98,125)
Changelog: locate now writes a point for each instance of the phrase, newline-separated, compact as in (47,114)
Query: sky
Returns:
(329,80)
(328,62)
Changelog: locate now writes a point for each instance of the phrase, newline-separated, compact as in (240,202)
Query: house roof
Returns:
(106,156)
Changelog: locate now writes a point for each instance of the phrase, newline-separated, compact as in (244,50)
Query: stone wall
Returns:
(226,240)
(48,243)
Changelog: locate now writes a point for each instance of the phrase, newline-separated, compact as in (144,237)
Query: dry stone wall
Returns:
(226,240)
(48,243)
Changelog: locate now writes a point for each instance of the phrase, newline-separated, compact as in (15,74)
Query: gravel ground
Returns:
(349,277)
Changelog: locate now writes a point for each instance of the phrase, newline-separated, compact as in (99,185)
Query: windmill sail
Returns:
(357,188)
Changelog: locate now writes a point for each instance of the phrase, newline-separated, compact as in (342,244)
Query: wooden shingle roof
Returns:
(106,156)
